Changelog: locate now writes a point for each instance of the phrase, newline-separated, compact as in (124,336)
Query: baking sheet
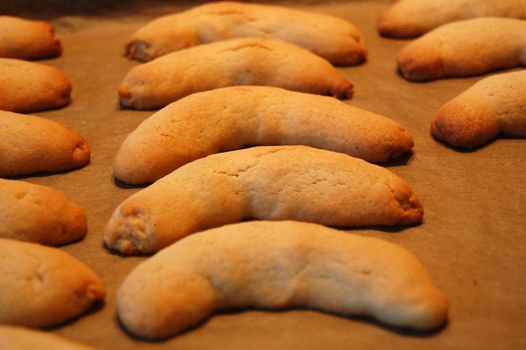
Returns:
(472,239)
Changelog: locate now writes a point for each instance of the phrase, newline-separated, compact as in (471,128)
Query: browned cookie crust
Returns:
(493,105)
(30,144)
(278,265)
(333,38)
(412,18)
(249,61)
(269,183)
(230,118)
(39,214)
(465,48)
(43,286)
(29,87)
(26,39)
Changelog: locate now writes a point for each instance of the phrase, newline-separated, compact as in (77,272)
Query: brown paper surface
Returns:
(472,239)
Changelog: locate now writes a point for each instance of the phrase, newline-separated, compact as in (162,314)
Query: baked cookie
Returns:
(465,48)
(39,214)
(493,105)
(233,117)
(278,265)
(29,87)
(43,286)
(18,338)
(26,39)
(30,144)
(269,183)
(412,18)
(249,61)
(332,38)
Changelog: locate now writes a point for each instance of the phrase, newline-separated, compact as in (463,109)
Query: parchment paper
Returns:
(472,239)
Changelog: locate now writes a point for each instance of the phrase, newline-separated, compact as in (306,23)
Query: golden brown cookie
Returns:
(333,38)
(18,338)
(412,18)
(29,87)
(269,183)
(39,214)
(249,61)
(30,144)
(43,286)
(465,48)
(278,265)
(493,105)
(26,39)
(233,117)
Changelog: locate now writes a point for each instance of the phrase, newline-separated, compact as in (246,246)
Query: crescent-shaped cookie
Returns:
(19,338)
(412,18)
(30,87)
(43,286)
(493,105)
(278,265)
(230,118)
(26,39)
(30,144)
(249,61)
(39,214)
(465,48)
(332,38)
(270,183)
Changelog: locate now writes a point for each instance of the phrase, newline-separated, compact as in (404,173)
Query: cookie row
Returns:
(289,182)
(228,267)
(41,286)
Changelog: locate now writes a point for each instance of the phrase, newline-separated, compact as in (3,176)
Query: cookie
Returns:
(412,18)
(18,338)
(39,214)
(249,61)
(26,39)
(269,183)
(233,117)
(278,265)
(465,48)
(494,105)
(332,38)
(30,87)
(43,286)
(30,144)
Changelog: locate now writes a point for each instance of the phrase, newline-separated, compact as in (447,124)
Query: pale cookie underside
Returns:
(277,265)
(271,183)
(235,117)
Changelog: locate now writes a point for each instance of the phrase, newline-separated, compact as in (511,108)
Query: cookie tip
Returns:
(129,231)
(138,50)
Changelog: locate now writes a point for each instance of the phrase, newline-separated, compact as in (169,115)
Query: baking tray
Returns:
(472,239)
